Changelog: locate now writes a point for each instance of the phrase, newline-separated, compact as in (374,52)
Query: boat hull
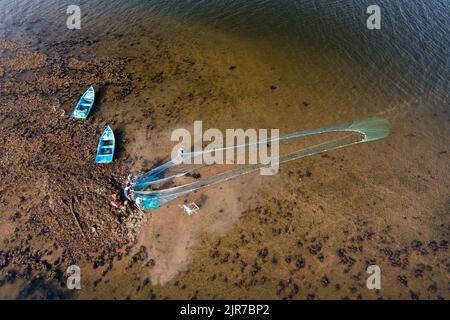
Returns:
(84,105)
(106,147)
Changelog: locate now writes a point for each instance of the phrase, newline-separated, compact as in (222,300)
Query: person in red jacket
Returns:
(116,202)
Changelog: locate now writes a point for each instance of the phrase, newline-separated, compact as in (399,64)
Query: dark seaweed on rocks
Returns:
(46,161)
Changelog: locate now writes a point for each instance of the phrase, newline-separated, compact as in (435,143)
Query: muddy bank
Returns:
(52,195)
(55,200)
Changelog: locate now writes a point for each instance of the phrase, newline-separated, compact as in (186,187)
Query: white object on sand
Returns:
(190,209)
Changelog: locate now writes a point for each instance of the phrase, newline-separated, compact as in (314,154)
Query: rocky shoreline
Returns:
(51,189)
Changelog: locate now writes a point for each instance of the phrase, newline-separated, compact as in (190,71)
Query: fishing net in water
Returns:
(360,131)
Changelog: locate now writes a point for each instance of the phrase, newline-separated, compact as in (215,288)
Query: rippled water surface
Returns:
(407,58)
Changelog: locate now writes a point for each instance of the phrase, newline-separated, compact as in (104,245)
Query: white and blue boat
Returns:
(106,146)
(85,104)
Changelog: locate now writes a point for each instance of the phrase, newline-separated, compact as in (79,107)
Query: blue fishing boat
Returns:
(85,104)
(106,146)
